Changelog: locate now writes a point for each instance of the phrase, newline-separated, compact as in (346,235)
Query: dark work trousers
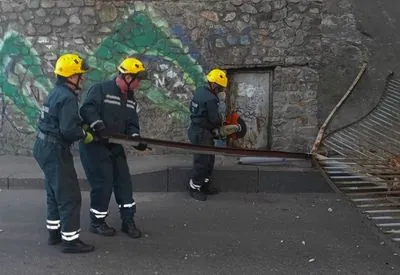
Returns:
(107,169)
(62,186)
(203,164)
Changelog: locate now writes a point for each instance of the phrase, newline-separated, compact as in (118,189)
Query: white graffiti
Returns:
(159,81)
(163,67)
(171,74)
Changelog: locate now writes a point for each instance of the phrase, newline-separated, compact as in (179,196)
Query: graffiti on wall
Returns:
(172,62)
(250,96)
(23,84)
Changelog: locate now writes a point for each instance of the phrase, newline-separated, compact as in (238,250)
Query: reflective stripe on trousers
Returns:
(53,224)
(70,236)
(99,214)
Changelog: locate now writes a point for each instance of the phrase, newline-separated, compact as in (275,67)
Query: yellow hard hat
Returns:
(131,65)
(70,64)
(218,76)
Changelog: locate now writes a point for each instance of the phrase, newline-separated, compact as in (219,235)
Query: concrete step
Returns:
(170,173)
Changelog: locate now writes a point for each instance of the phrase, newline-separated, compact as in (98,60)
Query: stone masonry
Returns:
(179,41)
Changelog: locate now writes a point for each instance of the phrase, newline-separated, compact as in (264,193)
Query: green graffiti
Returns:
(144,33)
(140,36)
(159,98)
(12,76)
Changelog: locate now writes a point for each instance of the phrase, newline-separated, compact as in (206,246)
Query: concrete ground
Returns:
(232,233)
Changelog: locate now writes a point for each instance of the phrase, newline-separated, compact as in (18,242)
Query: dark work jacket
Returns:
(59,117)
(105,102)
(204,109)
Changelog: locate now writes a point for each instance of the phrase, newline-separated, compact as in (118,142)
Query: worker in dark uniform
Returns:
(205,117)
(59,127)
(110,107)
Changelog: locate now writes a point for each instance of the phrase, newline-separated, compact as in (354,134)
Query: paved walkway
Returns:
(232,233)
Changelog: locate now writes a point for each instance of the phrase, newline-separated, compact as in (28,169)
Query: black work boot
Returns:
(102,228)
(129,227)
(208,189)
(76,246)
(195,191)
(54,237)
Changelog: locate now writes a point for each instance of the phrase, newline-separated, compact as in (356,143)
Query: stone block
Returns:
(48,3)
(33,4)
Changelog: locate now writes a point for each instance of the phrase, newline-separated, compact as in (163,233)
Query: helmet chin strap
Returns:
(76,85)
(128,84)
(216,90)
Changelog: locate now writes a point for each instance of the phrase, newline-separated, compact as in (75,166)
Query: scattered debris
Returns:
(311,260)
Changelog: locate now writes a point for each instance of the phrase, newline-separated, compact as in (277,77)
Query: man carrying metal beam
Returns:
(59,127)
(110,107)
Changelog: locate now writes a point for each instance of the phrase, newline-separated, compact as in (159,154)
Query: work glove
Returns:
(226,130)
(100,130)
(88,138)
(140,146)
(137,142)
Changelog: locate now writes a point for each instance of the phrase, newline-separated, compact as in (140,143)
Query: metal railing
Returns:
(362,159)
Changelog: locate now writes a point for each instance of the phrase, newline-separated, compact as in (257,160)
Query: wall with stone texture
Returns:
(306,44)
(354,31)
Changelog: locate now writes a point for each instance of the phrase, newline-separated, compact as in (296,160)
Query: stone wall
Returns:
(300,41)
(354,31)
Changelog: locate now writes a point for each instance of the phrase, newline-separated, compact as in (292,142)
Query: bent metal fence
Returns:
(362,159)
